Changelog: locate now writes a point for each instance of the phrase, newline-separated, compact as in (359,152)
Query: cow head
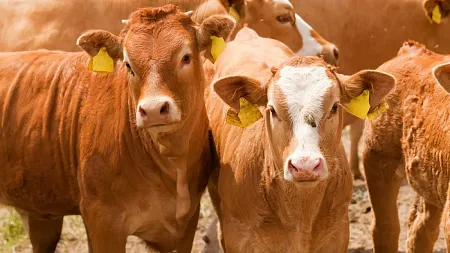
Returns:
(160,49)
(277,19)
(303,111)
(442,75)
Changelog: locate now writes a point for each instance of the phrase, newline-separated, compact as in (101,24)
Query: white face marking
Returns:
(310,45)
(287,2)
(304,89)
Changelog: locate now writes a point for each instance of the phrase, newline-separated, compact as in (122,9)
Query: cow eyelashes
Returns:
(129,68)
(334,108)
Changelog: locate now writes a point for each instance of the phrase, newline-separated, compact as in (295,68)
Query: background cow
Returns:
(53,24)
(290,190)
(369,33)
(410,138)
(128,149)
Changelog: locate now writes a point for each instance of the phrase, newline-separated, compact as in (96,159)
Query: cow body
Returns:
(29,25)
(130,161)
(410,139)
(258,207)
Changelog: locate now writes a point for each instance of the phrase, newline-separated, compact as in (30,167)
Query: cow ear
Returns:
(238,5)
(378,83)
(91,42)
(220,26)
(442,75)
(231,88)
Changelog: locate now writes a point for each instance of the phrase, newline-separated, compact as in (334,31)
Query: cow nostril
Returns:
(292,167)
(336,53)
(164,109)
(142,112)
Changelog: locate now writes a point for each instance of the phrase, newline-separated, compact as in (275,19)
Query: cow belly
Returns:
(425,148)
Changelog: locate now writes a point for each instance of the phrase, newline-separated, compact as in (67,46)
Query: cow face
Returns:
(160,49)
(442,75)
(277,19)
(303,112)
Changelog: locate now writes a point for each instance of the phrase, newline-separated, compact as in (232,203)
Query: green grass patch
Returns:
(11,231)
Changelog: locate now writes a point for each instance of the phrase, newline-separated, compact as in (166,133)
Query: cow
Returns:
(410,140)
(369,33)
(282,184)
(28,25)
(127,147)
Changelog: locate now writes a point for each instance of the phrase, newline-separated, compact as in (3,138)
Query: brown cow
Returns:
(128,149)
(29,25)
(369,33)
(284,183)
(411,137)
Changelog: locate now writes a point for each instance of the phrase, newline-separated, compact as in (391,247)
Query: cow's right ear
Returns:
(442,75)
(231,88)
(91,42)
(216,25)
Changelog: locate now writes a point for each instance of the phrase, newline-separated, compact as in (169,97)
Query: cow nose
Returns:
(307,168)
(159,111)
(331,54)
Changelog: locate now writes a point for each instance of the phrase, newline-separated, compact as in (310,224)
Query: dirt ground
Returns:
(73,239)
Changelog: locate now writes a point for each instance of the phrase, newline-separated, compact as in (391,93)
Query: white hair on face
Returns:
(311,46)
(125,21)
(304,89)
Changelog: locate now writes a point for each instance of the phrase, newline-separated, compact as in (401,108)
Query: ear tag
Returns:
(378,110)
(217,46)
(436,14)
(248,114)
(233,12)
(359,106)
(102,62)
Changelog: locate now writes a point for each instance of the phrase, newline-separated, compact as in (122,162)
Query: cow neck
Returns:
(170,151)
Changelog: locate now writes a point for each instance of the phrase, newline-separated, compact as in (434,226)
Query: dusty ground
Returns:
(74,238)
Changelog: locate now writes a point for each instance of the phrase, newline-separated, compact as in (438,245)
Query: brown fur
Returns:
(410,139)
(259,211)
(45,24)
(69,142)
(369,33)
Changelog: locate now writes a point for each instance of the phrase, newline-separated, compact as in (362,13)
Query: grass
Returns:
(11,230)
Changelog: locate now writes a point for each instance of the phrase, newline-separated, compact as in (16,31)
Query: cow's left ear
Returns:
(442,75)
(220,26)
(378,83)
(91,41)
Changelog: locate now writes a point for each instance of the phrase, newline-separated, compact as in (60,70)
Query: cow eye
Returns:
(186,59)
(272,111)
(129,68)
(283,19)
(334,108)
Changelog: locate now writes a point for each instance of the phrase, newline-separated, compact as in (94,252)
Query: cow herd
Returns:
(124,112)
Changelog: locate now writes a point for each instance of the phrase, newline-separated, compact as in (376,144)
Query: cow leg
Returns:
(104,226)
(447,220)
(356,130)
(423,227)
(44,234)
(185,243)
(88,239)
(383,185)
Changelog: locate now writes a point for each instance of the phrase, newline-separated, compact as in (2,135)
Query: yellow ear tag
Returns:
(359,106)
(217,46)
(102,62)
(248,114)
(233,12)
(436,14)
(378,110)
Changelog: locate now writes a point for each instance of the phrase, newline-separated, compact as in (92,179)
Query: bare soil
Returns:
(360,213)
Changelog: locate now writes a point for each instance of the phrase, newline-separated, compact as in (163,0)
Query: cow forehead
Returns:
(283,2)
(304,89)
